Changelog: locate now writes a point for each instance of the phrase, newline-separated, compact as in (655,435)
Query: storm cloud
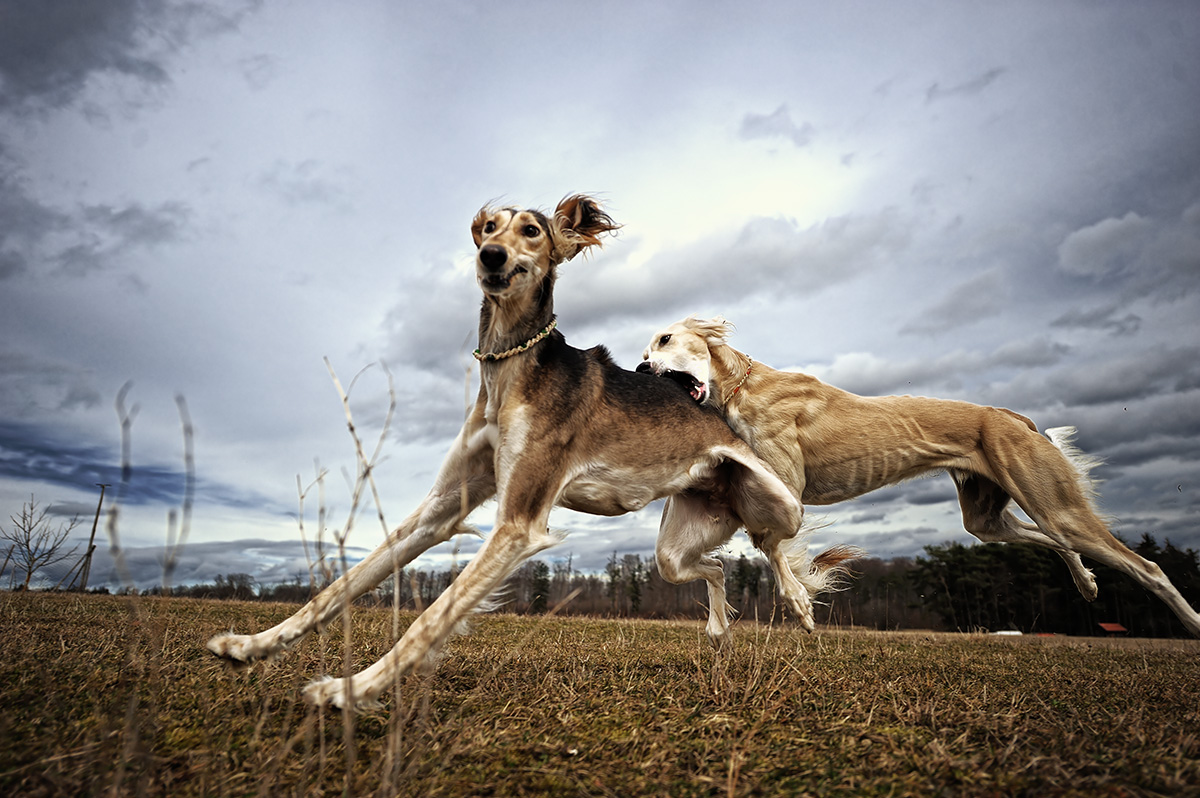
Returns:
(997,204)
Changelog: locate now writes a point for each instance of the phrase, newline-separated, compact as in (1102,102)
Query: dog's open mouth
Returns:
(498,282)
(696,389)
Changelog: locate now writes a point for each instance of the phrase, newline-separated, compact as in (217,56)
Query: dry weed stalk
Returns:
(148,668)
(364,477)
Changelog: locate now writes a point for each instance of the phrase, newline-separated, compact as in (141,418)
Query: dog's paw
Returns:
(1086,582)
(330,692)
(238,650)
(719,638)
(801,606)
(717,628)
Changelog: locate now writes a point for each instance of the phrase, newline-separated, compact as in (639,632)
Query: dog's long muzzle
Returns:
(493,268)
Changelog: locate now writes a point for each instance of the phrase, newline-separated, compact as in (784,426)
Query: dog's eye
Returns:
(490,227)
(666,339)
(532,231)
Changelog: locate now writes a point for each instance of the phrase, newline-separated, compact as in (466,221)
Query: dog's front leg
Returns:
(438,518)
(509,546)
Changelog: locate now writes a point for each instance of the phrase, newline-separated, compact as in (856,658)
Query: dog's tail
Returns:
(828,572)
(1063,439)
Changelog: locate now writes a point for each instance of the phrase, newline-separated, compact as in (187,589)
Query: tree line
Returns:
(988,587)
(952,587)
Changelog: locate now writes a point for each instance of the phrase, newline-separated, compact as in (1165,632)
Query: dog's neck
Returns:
(731,372)
(510,324)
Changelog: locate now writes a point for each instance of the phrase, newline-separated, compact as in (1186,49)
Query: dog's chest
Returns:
(502,386)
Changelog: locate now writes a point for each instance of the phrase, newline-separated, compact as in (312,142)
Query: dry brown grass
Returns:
(111,696)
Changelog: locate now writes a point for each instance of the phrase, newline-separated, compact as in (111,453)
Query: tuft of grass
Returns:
(117,696)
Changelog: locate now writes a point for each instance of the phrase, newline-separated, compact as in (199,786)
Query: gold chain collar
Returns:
(746,376)
(516,350)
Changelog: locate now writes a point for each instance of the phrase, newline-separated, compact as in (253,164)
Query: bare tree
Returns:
(34,542)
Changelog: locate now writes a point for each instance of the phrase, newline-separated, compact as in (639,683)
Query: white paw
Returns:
(1087,585)
(719,637)
(236,648)
(328,691)
(324,691)
(718,626)
(801,606)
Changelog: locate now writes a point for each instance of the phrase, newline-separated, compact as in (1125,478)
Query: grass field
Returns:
(112,696)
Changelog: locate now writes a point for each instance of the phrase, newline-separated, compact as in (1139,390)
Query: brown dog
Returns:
(829,445)
(555,425)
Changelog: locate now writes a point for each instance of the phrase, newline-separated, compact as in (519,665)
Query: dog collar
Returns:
(745,377)
(516,350)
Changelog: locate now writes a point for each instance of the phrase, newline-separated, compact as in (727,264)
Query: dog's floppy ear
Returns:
(714,331)
(578,223)
(478,222)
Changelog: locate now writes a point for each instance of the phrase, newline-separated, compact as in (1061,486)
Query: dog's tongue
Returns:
(699,391)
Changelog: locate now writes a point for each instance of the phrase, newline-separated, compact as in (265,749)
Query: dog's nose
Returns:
(493,257)
(644,367)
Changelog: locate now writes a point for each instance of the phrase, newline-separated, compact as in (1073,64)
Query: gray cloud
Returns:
(105,234)
(434,319)
(259,70)
(871,375)
(888,542)
(967,88)
(268,562)
(33,454)
(1105,248)
(304,183)
(980,297)
(1155,370)
(1068,172)
(80,241)
(766,255)
(32,385)
(1153,446)
(1155,257)
(46,59)
(777,124)
(1110,318)
(24,223)
(434,407)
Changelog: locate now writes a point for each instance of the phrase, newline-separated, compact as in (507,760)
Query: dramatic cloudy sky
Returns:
(997,202)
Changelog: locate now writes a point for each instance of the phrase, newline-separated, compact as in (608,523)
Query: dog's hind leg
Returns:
(466,480)
(986,515)
(782,555)
(800,577)
(1045,477)
(1086,534)
(690,530)
(787,554)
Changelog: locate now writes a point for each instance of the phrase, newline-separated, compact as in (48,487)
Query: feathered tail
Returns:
(828,572)
(1063,439)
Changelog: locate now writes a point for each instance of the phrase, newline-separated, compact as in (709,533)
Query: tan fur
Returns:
(557,425)
(829,445)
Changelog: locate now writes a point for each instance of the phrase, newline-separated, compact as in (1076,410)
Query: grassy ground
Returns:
(112,696)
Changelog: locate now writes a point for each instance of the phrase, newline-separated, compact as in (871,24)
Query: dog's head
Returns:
(518,248)
(682,352)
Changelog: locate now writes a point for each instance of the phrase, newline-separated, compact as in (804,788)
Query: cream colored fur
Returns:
(829,445)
